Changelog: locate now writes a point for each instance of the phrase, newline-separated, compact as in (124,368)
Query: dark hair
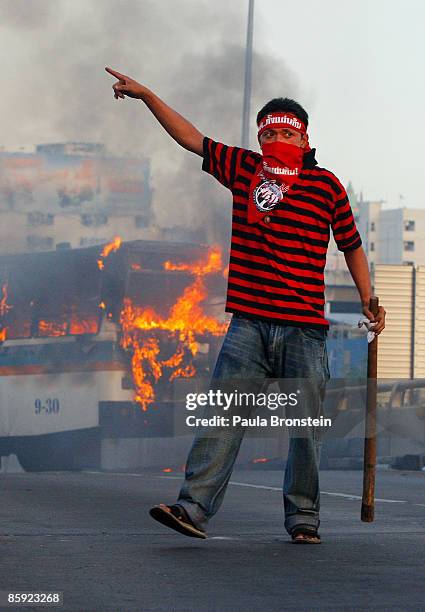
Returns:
(285,105)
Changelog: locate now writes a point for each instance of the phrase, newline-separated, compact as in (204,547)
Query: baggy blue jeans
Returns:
(256,350)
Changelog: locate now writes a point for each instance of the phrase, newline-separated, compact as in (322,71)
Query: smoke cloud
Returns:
(191,53)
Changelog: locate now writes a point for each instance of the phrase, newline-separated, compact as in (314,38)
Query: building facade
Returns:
(72,193)
(392,236)
(401,288)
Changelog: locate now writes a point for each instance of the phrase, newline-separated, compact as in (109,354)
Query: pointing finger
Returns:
(118,75)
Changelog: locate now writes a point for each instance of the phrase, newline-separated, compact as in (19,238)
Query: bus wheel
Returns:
(34,458)
(59,452)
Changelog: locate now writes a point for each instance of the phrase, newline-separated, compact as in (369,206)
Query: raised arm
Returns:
(179,128)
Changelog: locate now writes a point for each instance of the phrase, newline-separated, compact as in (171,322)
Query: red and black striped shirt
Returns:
(276,267)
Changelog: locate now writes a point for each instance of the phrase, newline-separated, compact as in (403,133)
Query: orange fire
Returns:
(185,322)
(144,332)
(260,460)
(51,328)
(200,269)
(82,326)
(114,245)
(76,326)
(4,307)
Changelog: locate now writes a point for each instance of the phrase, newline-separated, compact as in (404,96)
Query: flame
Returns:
(260,460)
(114,245)
(51,328)
(212,265)
(76,326)
(136,266)
(186,320)
(4,308)
(85,326)
(144,331)
(167,470)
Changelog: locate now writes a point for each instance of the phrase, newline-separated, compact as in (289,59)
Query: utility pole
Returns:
(248,77)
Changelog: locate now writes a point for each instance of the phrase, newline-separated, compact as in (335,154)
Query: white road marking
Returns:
(268,488)
(345,495)
(112,473)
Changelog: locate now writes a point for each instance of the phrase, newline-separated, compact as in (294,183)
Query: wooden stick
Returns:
(369,464)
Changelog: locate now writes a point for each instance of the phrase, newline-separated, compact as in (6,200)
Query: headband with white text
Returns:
(279,121)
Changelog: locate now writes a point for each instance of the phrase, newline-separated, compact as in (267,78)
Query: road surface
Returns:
(89,535)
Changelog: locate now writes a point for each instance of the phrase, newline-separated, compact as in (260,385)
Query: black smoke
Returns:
(190,52)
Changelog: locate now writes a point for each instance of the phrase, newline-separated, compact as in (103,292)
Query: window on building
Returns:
(94,220)
(372,246)
(372,226)
(86,220)
(36,218)
(409,245)
(409,225)
(141,221)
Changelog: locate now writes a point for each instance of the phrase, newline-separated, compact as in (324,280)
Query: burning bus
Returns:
(92,341)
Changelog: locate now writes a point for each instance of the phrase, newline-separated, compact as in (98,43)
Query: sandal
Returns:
(305,534)
(176,518)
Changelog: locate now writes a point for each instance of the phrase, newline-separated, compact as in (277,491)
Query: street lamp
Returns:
(248,77)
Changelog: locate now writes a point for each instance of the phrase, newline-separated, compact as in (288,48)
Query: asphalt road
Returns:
(89,535)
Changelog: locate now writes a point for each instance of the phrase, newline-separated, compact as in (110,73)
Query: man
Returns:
(283,205)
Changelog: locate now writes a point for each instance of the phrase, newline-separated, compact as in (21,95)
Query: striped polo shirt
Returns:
(276,267)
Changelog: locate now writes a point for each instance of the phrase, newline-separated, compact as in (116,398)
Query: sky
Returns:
(356,66)
(360,70)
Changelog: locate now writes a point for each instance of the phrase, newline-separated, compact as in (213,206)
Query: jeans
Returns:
(256,350)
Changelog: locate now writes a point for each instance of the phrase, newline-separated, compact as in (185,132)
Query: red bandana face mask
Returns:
(281,167)
(282,161)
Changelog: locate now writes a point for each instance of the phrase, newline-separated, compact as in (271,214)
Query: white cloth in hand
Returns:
(370,325)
